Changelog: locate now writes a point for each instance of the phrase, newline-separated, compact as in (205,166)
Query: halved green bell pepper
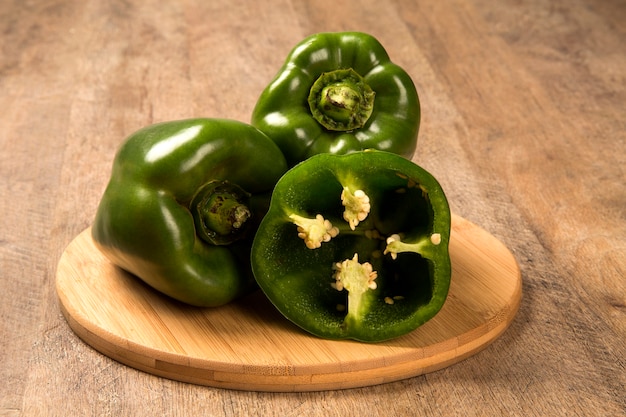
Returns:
(183,203)
(339,93)
(355,246)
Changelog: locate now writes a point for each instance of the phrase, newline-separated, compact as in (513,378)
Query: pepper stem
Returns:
(220,211)
(341,100)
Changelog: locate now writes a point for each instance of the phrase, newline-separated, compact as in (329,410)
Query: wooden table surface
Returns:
(523,123)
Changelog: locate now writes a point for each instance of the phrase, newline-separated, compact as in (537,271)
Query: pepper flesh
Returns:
(182,205)
(339,93)
(371,280)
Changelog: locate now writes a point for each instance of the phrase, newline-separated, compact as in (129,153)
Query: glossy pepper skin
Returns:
(182,205)
(355,246)
(339,93)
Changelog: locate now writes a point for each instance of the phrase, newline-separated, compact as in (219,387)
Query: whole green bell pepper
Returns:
(339,93)
(355,246)
(182,205)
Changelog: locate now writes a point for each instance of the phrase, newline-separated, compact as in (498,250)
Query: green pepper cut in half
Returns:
(355,246)
(339,93)
(182,205)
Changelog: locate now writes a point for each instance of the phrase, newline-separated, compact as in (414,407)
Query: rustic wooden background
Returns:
(524,124)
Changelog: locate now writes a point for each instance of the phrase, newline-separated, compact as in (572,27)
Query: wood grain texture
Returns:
(247,345)
(523,124)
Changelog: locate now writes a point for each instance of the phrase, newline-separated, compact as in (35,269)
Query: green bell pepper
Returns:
(355,246)
(339,93)
(182,205)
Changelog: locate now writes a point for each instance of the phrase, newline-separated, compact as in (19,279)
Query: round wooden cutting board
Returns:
(248,345)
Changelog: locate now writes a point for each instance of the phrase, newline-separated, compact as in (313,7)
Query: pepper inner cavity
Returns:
(350,274)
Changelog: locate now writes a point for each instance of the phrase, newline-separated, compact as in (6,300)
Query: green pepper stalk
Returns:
(220,212)
(182,205)
(355,246)
(341,100)
(339,93)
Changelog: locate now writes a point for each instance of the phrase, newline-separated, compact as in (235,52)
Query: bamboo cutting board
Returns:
(248,345)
